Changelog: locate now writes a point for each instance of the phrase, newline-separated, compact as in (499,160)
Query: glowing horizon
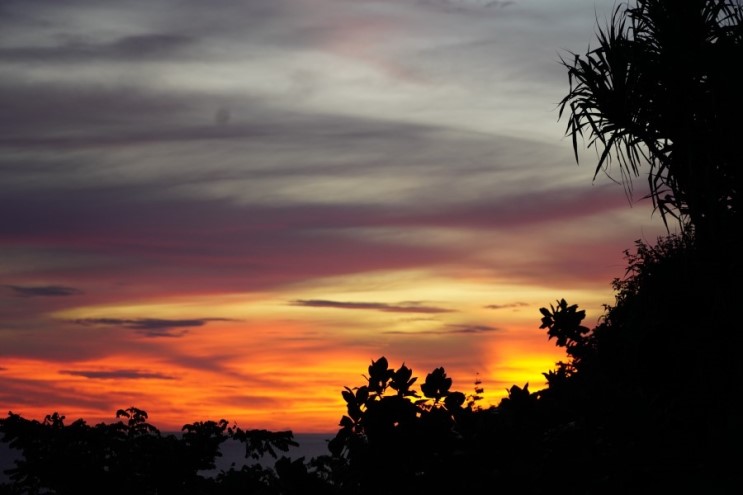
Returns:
(235,366)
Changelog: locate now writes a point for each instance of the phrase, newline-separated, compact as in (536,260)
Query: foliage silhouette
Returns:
(130,456)
(663,88)
(652,389)
(440,442)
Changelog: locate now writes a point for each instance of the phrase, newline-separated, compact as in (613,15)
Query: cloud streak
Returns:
(45,396)
(450,329)
(152,46)
(470,328)
(121,374)
(507,306)
(402,307)
(44,291)
(150,327)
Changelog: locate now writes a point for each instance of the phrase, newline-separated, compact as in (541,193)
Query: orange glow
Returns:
(279,359)
(271,362)
(268,363)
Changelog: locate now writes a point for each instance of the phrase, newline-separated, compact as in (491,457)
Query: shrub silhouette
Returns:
(130,456)
(651,390)
(390,428)
(437,440)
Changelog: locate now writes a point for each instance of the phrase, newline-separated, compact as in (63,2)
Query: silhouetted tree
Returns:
(652,389)
(663,87)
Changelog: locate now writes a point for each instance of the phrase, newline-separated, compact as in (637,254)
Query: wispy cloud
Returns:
(43,290)
(135,47)
(469,328)
(43,394)
(151,327)
(507,306)
(454,328)
(468,5)
(129,374)
(402,307)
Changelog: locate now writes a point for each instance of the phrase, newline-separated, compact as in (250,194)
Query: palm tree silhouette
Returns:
(663,88)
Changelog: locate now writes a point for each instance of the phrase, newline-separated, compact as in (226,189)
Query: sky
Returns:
(227,209)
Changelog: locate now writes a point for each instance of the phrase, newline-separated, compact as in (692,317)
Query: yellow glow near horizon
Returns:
(276,360)
(280,388)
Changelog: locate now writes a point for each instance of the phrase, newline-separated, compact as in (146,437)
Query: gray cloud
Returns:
(129,374)
(45,394)
(153,143)
(36,111)
(43,291)
(454,328)
(470,328)
(132,235)
(155,46)
(468,6)
(403,307)
(151,327)
(507,306)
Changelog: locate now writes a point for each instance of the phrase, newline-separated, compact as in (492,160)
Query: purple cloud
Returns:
(151,327)
(507,306)
(469,328)
(129,374)
(46,394)
(450,329)
(403,307)
(44,291)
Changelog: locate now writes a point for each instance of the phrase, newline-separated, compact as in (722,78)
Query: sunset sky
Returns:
(227,209)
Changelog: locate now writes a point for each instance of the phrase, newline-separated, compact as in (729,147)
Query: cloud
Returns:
(127,374)
(467,5)
(151,327)
(507,306)
(39,108)
(469,328)
(454,328)
(403,307)
(47,395)
(136,48)
(44,291)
